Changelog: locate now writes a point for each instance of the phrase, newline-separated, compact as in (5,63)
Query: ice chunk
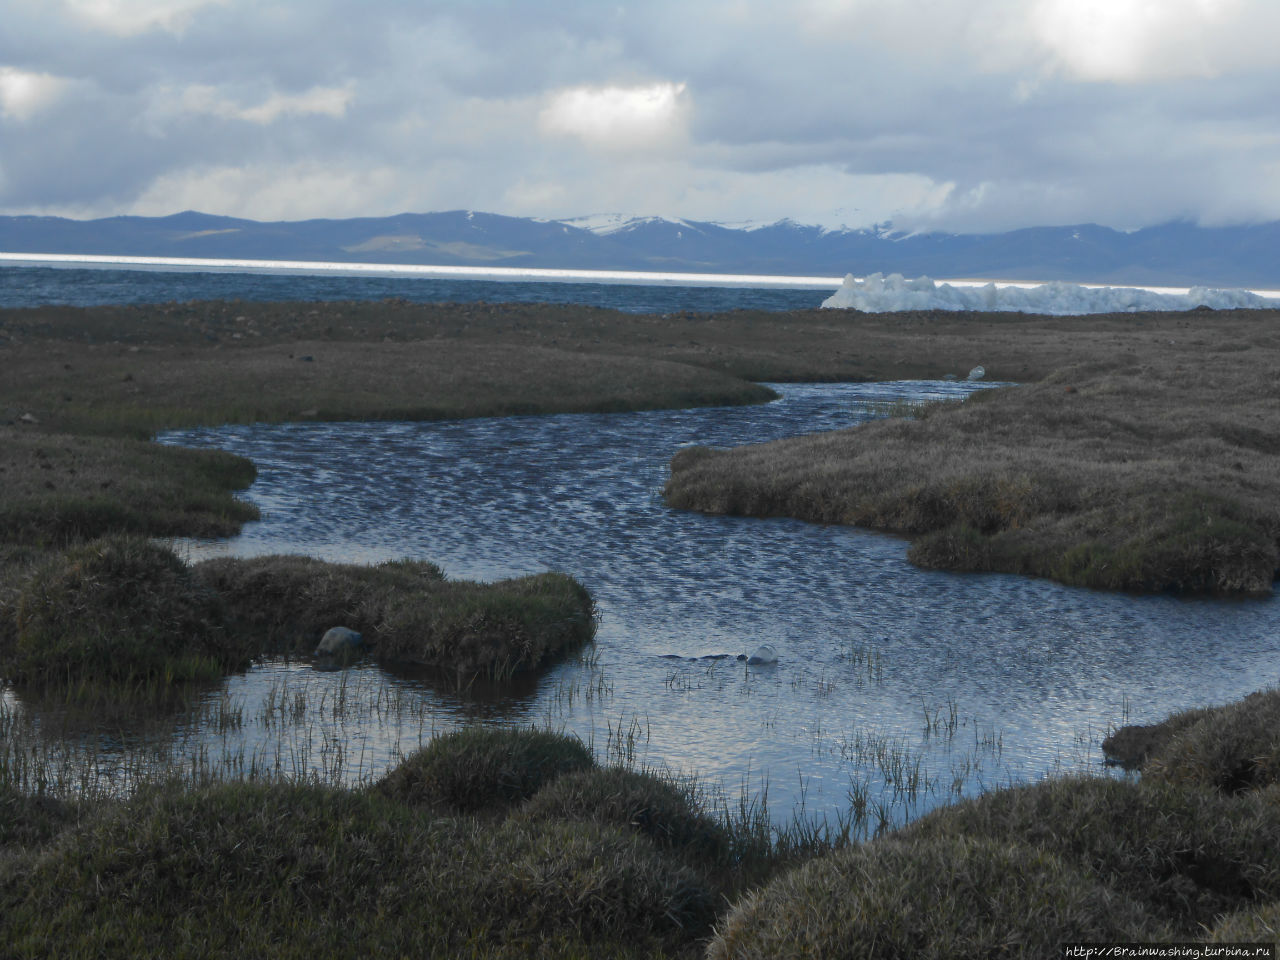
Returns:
(881,294)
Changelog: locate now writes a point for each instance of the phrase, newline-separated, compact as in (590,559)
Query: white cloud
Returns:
(126,18)
(263,191)
(647,117)
(322,101)
(24,94)
(1130,41)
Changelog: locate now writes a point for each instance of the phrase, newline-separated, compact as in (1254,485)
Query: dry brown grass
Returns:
(834,345)
(58,487)
(87,389)
(1156,471)
(1233,748)
(407,612)
(950,897)
(1184,853)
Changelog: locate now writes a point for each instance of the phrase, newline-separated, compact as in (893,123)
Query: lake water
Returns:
(38,286)
(895,688)
(885,672)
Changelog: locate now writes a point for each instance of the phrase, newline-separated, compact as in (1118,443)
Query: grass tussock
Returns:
(120,613)
(291,600)
(1231,749)
(304,871)
(28,820)
(1185,855)
(657,808)
(947,897)
(407,611)
(1140,478)
(483,769)
(124,618)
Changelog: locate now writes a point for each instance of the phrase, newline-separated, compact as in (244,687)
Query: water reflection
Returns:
(889,677)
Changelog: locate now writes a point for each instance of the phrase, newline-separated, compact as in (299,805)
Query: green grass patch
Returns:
(289,601)
(1258,925)
(512,842)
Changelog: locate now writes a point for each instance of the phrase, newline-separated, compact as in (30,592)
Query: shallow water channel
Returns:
(895,688)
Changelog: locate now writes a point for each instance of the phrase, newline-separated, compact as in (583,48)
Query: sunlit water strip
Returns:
(522,274)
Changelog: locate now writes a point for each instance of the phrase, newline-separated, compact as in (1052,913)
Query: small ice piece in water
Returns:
(764,654)
(977,373)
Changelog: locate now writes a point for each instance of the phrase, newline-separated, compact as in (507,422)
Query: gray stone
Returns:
(338,641)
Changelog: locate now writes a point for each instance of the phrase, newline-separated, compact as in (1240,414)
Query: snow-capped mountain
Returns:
(1176,254)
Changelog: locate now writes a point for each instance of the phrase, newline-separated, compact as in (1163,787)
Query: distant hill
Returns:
(1174,254)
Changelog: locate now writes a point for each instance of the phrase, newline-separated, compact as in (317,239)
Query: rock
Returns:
(977,373)
(763,654)
(338,641)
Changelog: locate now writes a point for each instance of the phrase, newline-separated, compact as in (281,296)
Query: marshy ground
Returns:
(1139,452)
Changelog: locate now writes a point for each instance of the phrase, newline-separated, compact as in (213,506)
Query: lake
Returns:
(894,686)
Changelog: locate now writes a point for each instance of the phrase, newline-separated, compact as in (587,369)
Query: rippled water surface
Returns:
(890,680)
(37,286)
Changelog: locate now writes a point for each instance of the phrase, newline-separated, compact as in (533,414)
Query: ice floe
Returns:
(880,294)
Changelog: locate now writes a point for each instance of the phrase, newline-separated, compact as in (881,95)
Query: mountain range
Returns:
(1172,254)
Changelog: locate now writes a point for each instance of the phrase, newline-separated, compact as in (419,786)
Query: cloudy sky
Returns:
(969,115)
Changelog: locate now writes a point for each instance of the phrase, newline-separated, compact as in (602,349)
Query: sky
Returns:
(953,115)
